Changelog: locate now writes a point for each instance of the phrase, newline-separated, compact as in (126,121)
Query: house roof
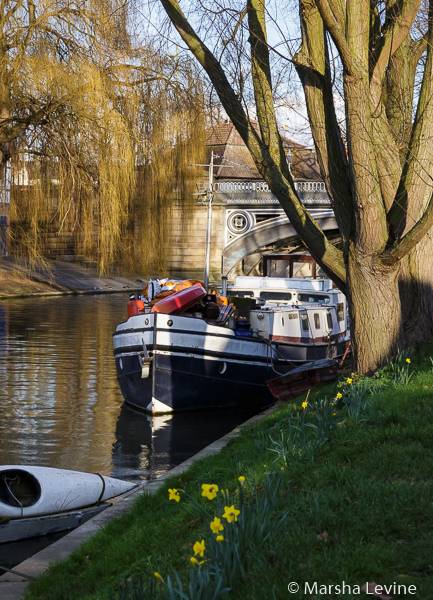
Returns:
(227,144)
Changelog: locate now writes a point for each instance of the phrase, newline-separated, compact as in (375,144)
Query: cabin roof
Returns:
(226,142)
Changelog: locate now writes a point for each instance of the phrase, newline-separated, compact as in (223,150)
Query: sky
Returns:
(283,35)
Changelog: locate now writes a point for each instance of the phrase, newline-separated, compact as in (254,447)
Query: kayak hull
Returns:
(31,491)
(181,301)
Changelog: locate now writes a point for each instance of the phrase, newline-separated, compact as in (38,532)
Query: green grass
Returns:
(360,510)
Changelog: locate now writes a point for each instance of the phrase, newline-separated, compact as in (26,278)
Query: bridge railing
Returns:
(262,186)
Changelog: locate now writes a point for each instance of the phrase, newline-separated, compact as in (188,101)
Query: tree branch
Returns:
(415,176)
(395,31)
(337,35)
(327,255)
(400,248)
(312,65)
(262,83)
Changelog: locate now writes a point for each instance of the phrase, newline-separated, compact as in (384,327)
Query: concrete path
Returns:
(74,278)
(12,587)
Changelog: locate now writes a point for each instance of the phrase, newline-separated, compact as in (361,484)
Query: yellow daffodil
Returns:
(338,396)
(304,404)
(195,561)
(209,491)
(408,360)
(348,380)
(216,525)
(173,495)
(231,513)
(334,415)
(241,478)
(332,404)
(199,548)
(219,538)
(158,576)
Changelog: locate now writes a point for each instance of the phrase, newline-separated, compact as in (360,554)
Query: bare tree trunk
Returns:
(416,293)
(375,312)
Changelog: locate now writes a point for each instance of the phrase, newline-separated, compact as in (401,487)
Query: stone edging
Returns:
(12,587)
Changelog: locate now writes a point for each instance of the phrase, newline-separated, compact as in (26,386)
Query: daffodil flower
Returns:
(241,478)
(195,561)
(231,513)
(209,491)
(199,548)
(348,380)
(158,576)
(173,495)
(338,396)
(219,538)
(408,360)
(334,415)
(216,525)
(304,404)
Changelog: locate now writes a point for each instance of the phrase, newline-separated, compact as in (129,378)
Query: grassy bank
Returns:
(14,283)
(338,491)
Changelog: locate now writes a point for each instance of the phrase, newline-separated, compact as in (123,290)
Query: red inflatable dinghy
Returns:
(180,301)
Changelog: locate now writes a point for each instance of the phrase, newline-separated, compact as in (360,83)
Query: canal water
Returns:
(60,404)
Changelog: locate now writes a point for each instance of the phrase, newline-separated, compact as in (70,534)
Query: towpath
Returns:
(66,277)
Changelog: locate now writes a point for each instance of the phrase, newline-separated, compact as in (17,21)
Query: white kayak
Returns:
(27,491)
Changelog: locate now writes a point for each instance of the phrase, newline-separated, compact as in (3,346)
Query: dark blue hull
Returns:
(181,383)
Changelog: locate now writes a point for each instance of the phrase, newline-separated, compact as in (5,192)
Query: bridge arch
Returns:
(278,229)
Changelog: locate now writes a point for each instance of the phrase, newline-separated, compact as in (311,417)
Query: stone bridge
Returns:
(253,218)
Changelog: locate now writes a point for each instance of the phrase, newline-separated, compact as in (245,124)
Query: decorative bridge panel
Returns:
(253,217)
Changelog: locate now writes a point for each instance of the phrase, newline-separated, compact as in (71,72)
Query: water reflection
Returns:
(60,404)
(147,446)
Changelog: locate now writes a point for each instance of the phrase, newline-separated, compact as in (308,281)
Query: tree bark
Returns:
(416,293)
(375,311)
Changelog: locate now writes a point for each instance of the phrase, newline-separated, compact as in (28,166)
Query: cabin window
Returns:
(276,296)
(305,325)
(340,311)
(314,298)
(242,294)
(329,319)
(316,321)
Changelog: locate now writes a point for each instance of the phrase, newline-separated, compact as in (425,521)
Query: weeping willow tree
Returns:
(99,130)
